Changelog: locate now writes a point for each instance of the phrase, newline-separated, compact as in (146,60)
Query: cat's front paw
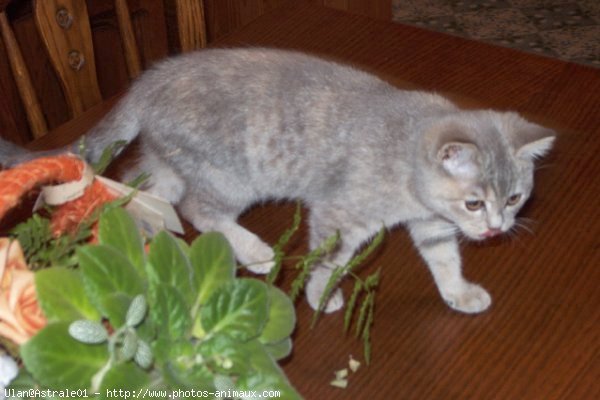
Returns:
(316,287)
(257,257)
(470,298)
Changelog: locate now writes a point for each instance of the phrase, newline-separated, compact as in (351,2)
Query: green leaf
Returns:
(221,347)
(224,383)
(89,332)
(280,350)
(106,272)
(117,228)
(265,374)
(23,383)
(58,361)
(61,295)
(143,356)
(114,307)
(136,311)
(169,312)
(282,317)
(129,346)
(213,264)
(107,155)
(168,264)
(126,376)
(238,309)
(197,377)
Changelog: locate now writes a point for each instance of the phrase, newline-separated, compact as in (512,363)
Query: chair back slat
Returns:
(191,25)
(132,58)
(64,27)
(33,110)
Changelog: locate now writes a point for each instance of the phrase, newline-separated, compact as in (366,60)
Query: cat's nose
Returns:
(492,232)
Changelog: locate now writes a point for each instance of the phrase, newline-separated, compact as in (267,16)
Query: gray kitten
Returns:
(224,129)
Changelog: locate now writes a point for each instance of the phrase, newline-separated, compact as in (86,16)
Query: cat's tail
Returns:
(120,124)
(11,154)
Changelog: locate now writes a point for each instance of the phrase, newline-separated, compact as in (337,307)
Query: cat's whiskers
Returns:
(523,223)
(543,166)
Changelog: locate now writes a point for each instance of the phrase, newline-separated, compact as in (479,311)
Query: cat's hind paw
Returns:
(470,299)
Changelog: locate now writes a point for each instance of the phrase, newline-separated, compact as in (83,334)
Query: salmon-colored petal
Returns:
(11,333)
(7,316)
(14,183)
(68,217)
(20,282)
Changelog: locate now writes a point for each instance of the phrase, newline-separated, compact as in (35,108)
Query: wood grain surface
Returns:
(540,339)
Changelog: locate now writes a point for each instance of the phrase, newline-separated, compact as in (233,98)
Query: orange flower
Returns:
(20,314)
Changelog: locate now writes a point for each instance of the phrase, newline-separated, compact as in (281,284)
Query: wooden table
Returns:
(540,340)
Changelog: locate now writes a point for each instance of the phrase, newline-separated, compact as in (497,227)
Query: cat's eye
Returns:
(514,199)
(474,205)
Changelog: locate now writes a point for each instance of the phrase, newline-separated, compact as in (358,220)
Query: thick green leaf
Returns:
(90,332)
(197,377)
(126,376)
(280,349)
(117,228)
(238,309)
(23,383)
(114,307)
(265,374)
(168,264)
(62,297)
(169,312)
(137,311)
(58,361)
(106,271)
(213,264)
(225,354)
(282,317)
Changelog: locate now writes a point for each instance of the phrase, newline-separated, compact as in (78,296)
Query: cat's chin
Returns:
(475,236)
(481,236)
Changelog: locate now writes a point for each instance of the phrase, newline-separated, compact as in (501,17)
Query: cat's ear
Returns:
(459,159)
(538,147)
(532,141)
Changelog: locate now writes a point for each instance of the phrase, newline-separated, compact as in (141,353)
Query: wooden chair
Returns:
(64,27)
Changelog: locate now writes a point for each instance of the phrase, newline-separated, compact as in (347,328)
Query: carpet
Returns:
(565,29)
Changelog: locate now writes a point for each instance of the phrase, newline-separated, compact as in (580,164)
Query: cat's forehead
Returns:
(500,171)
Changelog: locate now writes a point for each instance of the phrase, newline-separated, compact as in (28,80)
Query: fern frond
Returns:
(366,335)
(362,315)
(305,264)
(362,256)
(358,287)
(35,237)
(283,240)
(108,154)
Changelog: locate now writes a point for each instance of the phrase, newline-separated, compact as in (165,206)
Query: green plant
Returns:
(364,290)
(174,318)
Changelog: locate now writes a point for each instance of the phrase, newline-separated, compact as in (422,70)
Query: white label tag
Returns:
(59,194)
(152,213)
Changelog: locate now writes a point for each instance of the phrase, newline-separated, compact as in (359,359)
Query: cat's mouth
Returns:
(491,233)
(488,234)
